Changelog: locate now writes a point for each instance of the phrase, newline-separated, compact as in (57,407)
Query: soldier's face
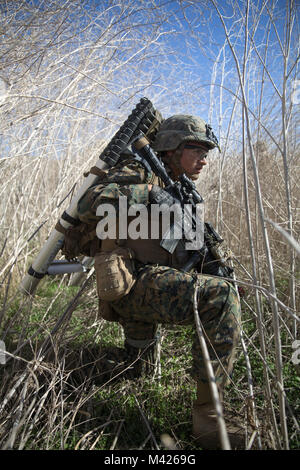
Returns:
(193,159)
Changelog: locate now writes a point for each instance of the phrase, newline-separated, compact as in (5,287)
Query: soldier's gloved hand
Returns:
(158,195)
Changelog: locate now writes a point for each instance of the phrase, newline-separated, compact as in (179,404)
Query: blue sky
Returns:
(179,71)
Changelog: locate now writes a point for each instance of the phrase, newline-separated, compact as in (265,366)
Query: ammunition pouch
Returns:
(115,273)
(79,240)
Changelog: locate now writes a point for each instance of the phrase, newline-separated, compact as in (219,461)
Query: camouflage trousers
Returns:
(164,295)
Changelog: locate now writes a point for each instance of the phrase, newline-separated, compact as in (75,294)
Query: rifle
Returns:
(208,259)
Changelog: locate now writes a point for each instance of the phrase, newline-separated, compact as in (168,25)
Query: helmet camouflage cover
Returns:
(182,128)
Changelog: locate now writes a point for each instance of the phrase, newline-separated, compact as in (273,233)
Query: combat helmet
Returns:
(182,128)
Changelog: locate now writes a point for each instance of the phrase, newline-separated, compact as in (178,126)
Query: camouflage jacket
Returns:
(128,178)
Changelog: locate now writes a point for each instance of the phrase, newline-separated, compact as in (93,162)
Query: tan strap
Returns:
(141,143)
(95,171)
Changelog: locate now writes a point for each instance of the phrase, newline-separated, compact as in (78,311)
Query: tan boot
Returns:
(205,424)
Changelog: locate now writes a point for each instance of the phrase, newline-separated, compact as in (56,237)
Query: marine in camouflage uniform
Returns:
(163,294)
